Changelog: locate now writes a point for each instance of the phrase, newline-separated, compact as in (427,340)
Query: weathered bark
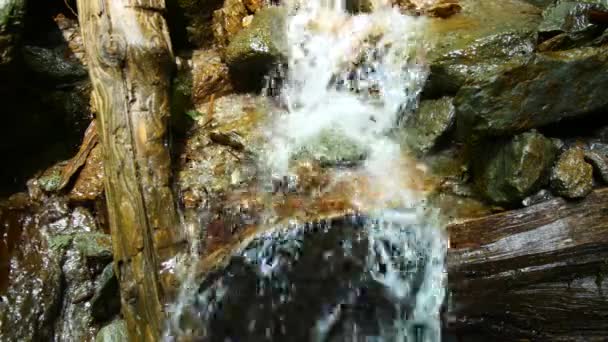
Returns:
(536,273)
(130,62)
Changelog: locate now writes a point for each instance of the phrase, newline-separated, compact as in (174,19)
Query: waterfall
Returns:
(357,76)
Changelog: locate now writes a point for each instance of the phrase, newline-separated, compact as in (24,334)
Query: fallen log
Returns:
(130,63)
(536,273)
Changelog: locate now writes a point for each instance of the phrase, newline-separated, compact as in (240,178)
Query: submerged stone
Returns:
(430,122)
(572,176)
(113,332)
(332,148)
(531,94)
(508,171)
(257,47)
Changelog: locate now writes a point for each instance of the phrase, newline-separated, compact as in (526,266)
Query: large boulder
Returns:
(11,22)
(526,94)
(572,176)
(507,171)
(257,47)
(478,59)
(484,35)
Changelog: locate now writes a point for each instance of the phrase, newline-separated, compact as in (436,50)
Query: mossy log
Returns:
(536,273)
(130,64)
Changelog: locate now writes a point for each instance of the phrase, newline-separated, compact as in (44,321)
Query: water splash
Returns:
(356,76)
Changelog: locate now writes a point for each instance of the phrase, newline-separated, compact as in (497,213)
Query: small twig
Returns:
(70,8)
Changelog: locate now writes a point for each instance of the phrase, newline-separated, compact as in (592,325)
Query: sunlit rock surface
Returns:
(508,171)
(572,176)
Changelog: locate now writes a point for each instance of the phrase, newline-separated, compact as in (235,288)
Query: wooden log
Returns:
(536,273)
(130,63)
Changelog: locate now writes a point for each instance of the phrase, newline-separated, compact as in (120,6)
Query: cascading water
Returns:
(378,277)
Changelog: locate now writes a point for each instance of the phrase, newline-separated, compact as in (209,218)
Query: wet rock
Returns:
(477,60)
(444,9)
(505,172)
(96,248)
(11,23)
(570,16)
(207,76)
(423,128)
(190,21)
(332,148)
(88,185)
(74,321)
(51,65)
(113,332)
(228,21)
(221,150)
(70,30)
(599,161)
(31,288)
(568,24)
(106,301)
(256,48)
(572,176)
(525,95)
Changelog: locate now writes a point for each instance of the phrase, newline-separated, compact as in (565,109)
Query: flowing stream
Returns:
(375,276)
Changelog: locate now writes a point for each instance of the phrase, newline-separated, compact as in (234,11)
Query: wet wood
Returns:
(536,273)
(130,62)
(89,142)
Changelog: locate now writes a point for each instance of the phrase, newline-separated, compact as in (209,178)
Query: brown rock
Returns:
(209,77)
(228,21)
(572,176)
(89,183)
(444,10)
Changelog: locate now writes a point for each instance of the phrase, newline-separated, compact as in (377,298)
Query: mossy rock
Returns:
(505,172)
(428,124)
(254,50)
(572,176)
(332,148)
(95,247)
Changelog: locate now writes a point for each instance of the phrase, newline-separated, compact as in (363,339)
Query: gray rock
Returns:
(526,94)
(113,332)
(106,300)
(572,176)
(505,172)
(423,128)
